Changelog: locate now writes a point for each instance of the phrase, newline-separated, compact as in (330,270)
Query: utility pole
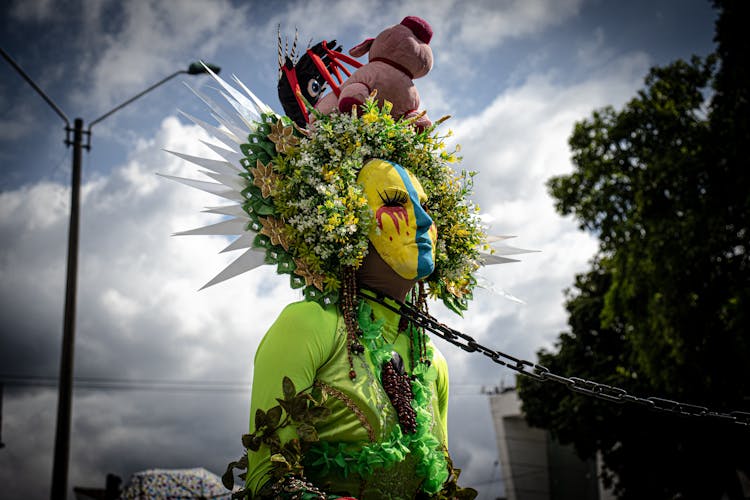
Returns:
(65,387)
(2,445)
(65,384)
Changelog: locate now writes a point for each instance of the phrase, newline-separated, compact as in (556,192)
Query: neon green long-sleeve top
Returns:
(307,343)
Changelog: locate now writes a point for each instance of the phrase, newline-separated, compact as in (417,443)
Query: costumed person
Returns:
(364,212)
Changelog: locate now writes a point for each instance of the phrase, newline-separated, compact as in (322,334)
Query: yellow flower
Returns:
(457,289)
(328,174)
(350,219)
(370,117)
(334,220)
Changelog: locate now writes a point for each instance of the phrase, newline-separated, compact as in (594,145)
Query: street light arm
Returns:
(35,86)
(140,94)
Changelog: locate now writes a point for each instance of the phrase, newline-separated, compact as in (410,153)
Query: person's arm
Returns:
(441,388)
(297,344)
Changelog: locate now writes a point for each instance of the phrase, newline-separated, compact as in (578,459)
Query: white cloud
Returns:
(154,39)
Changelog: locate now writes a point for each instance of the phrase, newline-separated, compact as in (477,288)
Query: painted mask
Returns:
(404,235)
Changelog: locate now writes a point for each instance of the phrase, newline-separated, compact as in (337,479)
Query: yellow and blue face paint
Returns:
(404,234)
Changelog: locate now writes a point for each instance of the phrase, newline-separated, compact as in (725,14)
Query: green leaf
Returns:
(260,419)
(318,413)
(255,443)
(258,150)
(274,416)
(227,478)
(288,387)
(261,241)
(285,405)
(293,447)
(273,441)
(247,440)
(307,433)
(298,409)
(317,394)
(262,208)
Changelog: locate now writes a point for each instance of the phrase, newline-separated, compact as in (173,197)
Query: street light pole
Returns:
(65,384)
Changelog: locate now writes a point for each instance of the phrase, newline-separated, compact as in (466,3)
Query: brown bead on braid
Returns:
(349,308)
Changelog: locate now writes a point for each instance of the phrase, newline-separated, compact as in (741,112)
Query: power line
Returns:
(114,383)
(102,383)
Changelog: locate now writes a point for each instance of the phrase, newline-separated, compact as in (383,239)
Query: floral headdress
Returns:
(301,209)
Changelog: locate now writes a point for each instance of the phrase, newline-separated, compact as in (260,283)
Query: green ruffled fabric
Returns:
(431,462)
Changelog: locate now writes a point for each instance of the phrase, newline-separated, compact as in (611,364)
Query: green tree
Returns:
(664,183)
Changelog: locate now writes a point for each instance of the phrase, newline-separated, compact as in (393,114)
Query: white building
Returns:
(534,466)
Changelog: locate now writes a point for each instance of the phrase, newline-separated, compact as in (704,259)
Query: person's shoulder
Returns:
(307,318)
(310,311)
(439,361)
(300,324)
(437,354)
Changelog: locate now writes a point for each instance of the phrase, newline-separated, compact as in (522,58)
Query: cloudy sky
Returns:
(163,370)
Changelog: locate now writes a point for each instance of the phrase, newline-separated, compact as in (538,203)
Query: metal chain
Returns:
(543,374)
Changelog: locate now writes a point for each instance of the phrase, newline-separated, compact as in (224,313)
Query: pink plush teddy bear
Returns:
(397,56)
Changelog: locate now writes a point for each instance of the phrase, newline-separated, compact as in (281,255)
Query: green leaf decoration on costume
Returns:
(227,479)
(288,387)
(307,433)
(300,408)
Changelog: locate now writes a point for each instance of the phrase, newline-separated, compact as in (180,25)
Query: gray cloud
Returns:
(140,317)
(36,11)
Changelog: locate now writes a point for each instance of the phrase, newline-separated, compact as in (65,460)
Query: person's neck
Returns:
(377,275)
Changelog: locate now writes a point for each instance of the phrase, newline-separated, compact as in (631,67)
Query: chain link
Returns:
(543,374)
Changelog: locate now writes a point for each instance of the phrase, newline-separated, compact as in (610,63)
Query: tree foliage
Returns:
(664,183)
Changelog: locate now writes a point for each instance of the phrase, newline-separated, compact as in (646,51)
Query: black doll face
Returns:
(311,83)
